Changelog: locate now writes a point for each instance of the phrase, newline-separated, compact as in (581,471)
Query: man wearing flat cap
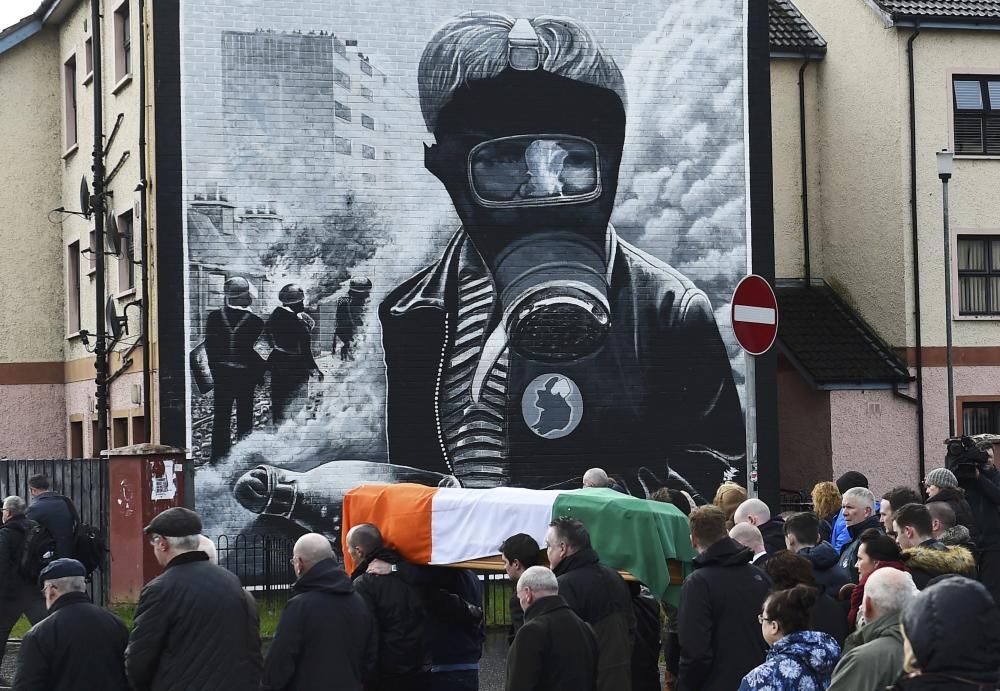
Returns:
(195,626)
(79,645)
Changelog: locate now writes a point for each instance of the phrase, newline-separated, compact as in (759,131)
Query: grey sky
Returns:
(13,10)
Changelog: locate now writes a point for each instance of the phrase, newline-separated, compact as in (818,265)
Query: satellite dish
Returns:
(118,326)
(85,198)
(112,238)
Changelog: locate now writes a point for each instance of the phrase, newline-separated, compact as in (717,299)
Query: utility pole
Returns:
(98,207)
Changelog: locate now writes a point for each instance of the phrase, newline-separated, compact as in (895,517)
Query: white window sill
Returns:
(70,151)
(92,272)
(122,83)
(88,78)
(977,317)
(73,336)
(976,157)
(125,294)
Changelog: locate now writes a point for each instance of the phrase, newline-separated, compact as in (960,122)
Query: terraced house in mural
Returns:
(459,247)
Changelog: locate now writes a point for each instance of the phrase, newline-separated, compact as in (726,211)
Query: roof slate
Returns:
(790,32)
(829,341)
(942,10)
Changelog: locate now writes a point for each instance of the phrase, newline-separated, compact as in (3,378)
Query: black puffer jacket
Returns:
(326,628)
(719,634)
(599,596)
(195,628)
(78,646)
(400,616)
(826,567)
(554,651)
(849,554)
(955,498)
(12,584)
(954,630)
(983,495)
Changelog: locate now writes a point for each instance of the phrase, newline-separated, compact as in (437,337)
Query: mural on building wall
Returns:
(479,254)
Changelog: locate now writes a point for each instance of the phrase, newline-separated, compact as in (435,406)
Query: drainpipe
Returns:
(98,205)
(914,230)
(147,376)
(804,175)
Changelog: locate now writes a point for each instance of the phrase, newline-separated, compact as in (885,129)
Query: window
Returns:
(88,60)
(367,121)
(342,145)
(139,430)
(977,115)
(126,269)
(366,93)
(123,42)
(388,155)
(342,78)
(119,432)
(979,274)
(339,47)
(341,111)
(69,98)
(73,287)
(981,418)
(92,254)
(76,439)
(368,152)
(96,445)
(366,67)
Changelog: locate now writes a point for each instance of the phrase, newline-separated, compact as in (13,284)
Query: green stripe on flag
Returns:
(634,535)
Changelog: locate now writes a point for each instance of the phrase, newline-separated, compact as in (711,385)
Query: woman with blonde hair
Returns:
(826,499)
(728,497)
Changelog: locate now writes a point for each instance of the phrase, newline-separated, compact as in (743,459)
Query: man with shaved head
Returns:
(404,651)
(595,477)
(749,536)
(326,633)
(756,513)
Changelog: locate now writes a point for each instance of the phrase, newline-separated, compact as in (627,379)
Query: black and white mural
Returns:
(461,247)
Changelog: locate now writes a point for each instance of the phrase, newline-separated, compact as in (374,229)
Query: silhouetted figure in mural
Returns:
(350,315)
(555,341)
(291,362)
(230,335)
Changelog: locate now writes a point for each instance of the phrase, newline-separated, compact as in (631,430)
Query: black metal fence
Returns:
(795,500)
(262,562)
(84,481)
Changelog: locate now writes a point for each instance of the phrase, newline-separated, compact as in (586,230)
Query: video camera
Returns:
(965,457)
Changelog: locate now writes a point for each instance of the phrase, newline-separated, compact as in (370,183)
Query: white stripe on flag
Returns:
(755,315)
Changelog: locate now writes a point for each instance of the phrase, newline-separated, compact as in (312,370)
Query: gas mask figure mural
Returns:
(539,344)
(542,339)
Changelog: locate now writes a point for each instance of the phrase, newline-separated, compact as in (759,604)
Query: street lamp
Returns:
(944,161)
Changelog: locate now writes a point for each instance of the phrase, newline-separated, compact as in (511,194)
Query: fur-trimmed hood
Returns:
(938,561)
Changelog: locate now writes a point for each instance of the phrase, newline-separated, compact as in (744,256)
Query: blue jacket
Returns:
(801,661)
(826,568)
(840,535)
(50,509)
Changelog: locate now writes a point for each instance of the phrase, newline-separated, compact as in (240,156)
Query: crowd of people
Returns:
(897,592)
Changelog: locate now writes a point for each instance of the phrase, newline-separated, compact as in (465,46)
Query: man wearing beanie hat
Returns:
(195,626)
(849,480)
(942,485)
(79,645)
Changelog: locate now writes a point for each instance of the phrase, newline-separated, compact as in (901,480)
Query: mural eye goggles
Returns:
(534,170)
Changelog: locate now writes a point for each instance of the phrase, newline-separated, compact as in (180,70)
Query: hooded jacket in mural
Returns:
(659,391)
(801,661)
(933,558)
(873,657)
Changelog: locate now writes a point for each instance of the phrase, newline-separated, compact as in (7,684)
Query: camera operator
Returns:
(973,468)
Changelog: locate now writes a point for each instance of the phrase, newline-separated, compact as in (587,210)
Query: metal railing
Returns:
(84,481)
(262,562)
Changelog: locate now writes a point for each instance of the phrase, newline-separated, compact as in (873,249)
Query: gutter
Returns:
(916,23)
(804,175)
(147,375)
(915,241)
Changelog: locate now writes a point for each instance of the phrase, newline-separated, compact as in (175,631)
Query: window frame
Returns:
(88,60)
(991,402)
(985,234)
(983,114)
(125,263)
(123,44)
(365,149)
(342,111)
(368,122)
(71,119)
(74,298)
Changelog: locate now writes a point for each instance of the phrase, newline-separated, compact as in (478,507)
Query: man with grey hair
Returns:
(195,626)
(18,594)
(756,513)
(595,477)
(858,506)
(326,627)
(528,118)
(873,655)
(555,650)
(79,645)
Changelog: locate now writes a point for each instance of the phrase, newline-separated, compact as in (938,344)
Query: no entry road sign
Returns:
(755,315)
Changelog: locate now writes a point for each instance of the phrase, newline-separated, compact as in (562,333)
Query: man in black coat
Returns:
(802,537)
(195,627)
(720,638)
(519,553)
(860,514)
(231,333)
(79,645)
(17,594)
(326,636)
(758,514)
(404,653)
(555,650)
(982,491)
(598,595)
(53,511)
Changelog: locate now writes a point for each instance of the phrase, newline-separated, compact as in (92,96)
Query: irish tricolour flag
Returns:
(438,525)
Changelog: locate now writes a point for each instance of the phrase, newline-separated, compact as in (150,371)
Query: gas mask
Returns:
(531,162)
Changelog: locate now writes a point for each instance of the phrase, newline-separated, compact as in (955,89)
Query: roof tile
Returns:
(791,32)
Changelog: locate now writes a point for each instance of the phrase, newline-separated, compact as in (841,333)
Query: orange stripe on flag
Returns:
(402,513)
